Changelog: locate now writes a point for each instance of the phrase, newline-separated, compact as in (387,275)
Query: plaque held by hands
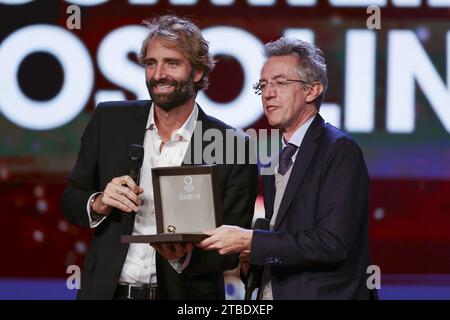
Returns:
(187,202)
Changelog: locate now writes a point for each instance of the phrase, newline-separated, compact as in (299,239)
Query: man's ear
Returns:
(314,91)
(198,75)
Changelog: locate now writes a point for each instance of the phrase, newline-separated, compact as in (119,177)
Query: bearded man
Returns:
(101,195)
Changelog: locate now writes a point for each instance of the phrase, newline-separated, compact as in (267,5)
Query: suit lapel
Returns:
(201,126)
(139,118)
(305,155)
(136,131)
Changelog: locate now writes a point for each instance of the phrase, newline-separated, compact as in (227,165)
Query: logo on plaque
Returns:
(188,187)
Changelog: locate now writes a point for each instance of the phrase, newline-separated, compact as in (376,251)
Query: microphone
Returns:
(255,272)
(135,159)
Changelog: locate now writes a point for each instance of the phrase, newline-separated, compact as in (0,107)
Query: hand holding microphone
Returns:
(123,192)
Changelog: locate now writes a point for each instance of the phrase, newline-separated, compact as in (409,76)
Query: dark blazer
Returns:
(319,245)
(113,127)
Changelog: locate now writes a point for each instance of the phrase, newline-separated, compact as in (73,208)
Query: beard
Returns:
(183,91)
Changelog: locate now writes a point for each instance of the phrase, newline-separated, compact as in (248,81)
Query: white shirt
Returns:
(140,263)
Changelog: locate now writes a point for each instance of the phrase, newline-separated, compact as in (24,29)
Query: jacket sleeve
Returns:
(83,178)
(341,207)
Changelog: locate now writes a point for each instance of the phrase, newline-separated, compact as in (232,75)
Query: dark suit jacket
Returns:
(113,127)
(319,246)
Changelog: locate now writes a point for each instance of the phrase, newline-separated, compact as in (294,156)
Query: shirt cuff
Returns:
(93,223)
(178,266)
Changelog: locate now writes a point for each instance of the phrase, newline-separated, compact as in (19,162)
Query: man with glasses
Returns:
(317,197)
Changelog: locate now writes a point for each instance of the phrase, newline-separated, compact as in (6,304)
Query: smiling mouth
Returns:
(162,87)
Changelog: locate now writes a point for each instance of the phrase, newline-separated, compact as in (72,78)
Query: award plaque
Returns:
(187,202)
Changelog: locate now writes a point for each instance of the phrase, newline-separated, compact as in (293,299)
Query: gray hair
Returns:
(185,36)
(311,66)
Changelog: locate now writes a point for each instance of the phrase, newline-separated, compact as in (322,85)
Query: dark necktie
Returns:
(286,158)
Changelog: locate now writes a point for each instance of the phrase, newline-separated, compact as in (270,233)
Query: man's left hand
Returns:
(173,251)
(227,239)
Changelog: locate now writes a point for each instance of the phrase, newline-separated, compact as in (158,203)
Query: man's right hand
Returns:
(121,193)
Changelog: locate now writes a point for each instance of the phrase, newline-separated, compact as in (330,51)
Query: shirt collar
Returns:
(299,134)
(185,131)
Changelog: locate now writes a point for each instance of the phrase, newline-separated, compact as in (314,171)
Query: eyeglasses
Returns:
(278,84)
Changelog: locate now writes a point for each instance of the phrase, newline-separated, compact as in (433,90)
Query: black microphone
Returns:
(135,159)
(255,272)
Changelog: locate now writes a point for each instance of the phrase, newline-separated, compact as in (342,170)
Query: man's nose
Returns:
(269,92)
(160,73)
